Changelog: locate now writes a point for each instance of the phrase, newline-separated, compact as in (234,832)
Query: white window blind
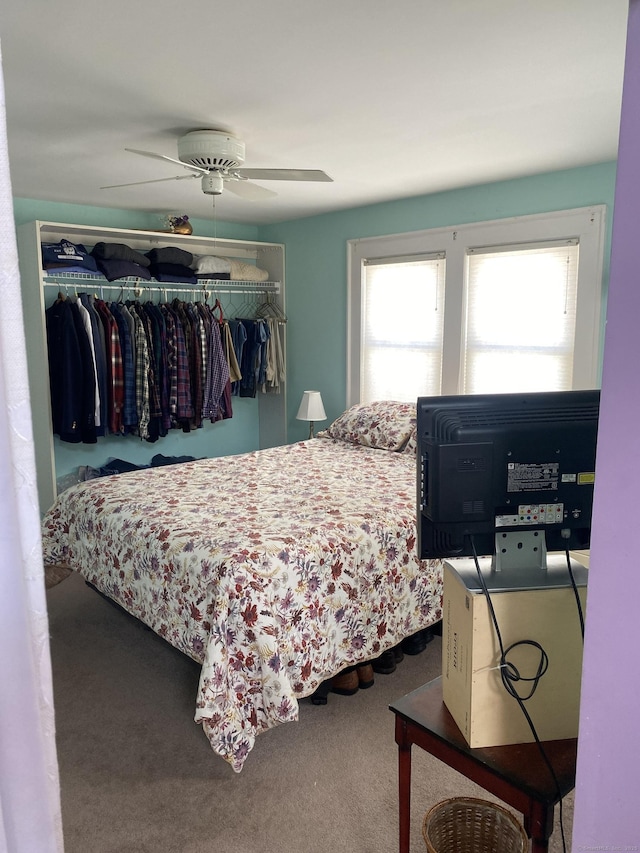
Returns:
(520,318)
(402,328)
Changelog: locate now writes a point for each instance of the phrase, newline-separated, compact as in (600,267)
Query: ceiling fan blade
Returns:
(245,189)
(170,159)
(155,181)
(284,174)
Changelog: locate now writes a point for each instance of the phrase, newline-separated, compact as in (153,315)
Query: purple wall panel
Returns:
(607,816)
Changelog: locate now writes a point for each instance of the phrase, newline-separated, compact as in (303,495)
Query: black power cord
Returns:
(576,593)
(511,676)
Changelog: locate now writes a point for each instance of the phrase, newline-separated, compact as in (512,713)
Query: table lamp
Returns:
(311,409)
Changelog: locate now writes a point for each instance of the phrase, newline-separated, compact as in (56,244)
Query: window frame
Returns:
(587,225)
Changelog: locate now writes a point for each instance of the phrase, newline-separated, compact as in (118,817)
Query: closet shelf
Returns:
(227,285)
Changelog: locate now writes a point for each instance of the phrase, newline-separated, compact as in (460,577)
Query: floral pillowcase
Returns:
(383,424)
(412,444)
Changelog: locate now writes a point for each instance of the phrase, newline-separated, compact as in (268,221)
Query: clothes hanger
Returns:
(217,305)
(269,309)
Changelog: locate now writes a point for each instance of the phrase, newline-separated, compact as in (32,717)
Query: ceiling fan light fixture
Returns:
(216,157)
(211,149)
(212,184)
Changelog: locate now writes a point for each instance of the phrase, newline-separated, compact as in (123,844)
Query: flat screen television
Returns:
(493,467)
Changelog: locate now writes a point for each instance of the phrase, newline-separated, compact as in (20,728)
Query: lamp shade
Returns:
(311,408)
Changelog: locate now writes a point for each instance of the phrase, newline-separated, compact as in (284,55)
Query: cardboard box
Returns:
(540,607)
(581,557)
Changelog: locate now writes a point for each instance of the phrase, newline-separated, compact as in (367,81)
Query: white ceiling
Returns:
(390,99)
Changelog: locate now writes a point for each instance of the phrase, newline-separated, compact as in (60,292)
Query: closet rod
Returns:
(172,287)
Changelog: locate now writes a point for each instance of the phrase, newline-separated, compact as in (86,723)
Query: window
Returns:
(520,318)
(510,305)
(402,328)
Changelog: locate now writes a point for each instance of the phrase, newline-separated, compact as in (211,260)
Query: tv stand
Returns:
(512,576)
(516,549)
(515,774)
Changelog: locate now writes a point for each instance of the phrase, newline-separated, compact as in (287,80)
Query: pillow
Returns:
(211,264)
(412,444)
(241,271)
(384,424)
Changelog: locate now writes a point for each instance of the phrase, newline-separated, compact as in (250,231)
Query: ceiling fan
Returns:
(216,158)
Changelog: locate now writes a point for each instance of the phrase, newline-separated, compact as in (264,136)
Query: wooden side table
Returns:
(516,774)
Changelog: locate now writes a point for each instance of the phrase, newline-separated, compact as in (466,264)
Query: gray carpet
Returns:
(138,775)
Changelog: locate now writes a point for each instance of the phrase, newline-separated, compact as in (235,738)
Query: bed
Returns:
(274,569)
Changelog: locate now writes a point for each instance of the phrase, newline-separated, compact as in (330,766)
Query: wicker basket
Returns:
(468,825)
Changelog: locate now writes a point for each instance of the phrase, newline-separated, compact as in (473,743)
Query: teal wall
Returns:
(28,210)
(316,257)
(316,282)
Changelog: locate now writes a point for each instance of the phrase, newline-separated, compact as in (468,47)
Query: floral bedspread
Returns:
(274,569)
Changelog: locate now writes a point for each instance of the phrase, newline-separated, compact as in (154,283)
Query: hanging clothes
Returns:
(238,339)
(217,374)
(101,361)
(253,365)
(197,361)
(70,379)
(275,370)
(142,368)
(129,414)
(235,374)
(86,322)
(115,381)
(185,410)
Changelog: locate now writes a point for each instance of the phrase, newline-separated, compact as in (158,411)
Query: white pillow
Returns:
(240,271)
(210,264)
